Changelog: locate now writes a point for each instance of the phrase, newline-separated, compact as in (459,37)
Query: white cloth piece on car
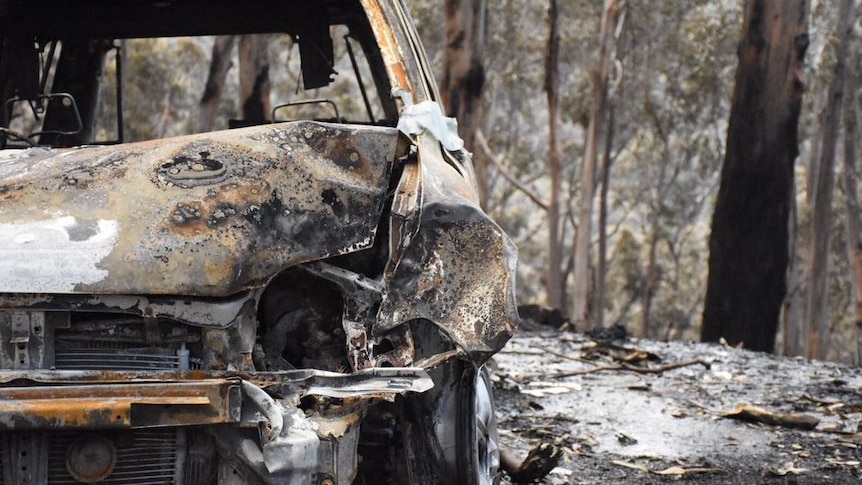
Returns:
(427,116)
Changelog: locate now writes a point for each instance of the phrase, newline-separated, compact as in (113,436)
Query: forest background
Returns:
(599,130)
(646,169)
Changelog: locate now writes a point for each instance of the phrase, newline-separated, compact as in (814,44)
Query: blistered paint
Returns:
(54,255)
(206,215)
(458,270)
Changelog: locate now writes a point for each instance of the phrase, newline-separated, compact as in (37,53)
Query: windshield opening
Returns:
(147,75)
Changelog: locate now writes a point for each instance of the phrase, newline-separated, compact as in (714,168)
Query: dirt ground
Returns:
(619,419)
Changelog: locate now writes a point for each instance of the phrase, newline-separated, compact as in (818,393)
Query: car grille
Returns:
(96,355)
(143,458)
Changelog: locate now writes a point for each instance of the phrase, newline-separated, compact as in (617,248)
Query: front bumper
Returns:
(286,444)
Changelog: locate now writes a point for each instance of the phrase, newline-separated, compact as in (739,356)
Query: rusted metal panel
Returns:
(208,214)
(300,382)
(390,43)
(129,405)
(40,399)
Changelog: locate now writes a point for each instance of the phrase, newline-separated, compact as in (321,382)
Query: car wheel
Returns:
(478,456)
(449,432)
(452,432)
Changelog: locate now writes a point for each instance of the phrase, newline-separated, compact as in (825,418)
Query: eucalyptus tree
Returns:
(749,240)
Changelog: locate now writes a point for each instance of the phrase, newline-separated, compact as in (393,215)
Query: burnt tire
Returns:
(451,431)
(478,455)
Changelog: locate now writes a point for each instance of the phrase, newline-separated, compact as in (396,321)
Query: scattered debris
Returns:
(788,468)
(672,471)
(618,353)
(540,461)
(538,316)
(834,462)
(626,440)
(609,334)
(745,412)
(668,426)
(543,388)
(634,368)
(821,401)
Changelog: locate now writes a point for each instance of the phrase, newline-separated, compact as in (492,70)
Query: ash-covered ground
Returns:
(619,419)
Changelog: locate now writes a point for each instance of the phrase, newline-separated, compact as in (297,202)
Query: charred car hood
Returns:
(205,215)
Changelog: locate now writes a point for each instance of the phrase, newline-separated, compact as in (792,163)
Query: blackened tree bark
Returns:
(464,74)
(749,241)
(219,67)
(254,77)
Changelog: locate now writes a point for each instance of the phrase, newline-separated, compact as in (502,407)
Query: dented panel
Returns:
(458,271)
(207,214)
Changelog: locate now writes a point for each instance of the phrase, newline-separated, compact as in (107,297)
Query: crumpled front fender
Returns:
(458,270)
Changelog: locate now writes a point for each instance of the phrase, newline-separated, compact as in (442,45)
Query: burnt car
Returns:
(306,296)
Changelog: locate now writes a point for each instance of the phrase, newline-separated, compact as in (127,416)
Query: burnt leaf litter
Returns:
(609,409)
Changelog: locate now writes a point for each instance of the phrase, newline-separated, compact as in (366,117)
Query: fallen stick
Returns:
(744,412)
(562,355)
(633,368)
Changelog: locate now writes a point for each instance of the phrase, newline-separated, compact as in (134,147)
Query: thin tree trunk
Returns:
(220,64)
(854,238)
(464,75)
(650,280)
(651,277)
(793,308)
(749,239)
(254,77)
(853,218)
(602,269)
(611,15)
(821,223)
(555,159)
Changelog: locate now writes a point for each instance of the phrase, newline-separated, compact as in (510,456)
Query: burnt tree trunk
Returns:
(220,64)
(464,74)
(254,77)
(749,241)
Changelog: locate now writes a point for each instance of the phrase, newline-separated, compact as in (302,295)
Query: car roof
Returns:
(114,19)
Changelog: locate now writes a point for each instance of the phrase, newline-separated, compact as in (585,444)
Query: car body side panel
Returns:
(458,270)
(202,215)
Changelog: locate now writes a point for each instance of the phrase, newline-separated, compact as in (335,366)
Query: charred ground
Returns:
(620,418)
